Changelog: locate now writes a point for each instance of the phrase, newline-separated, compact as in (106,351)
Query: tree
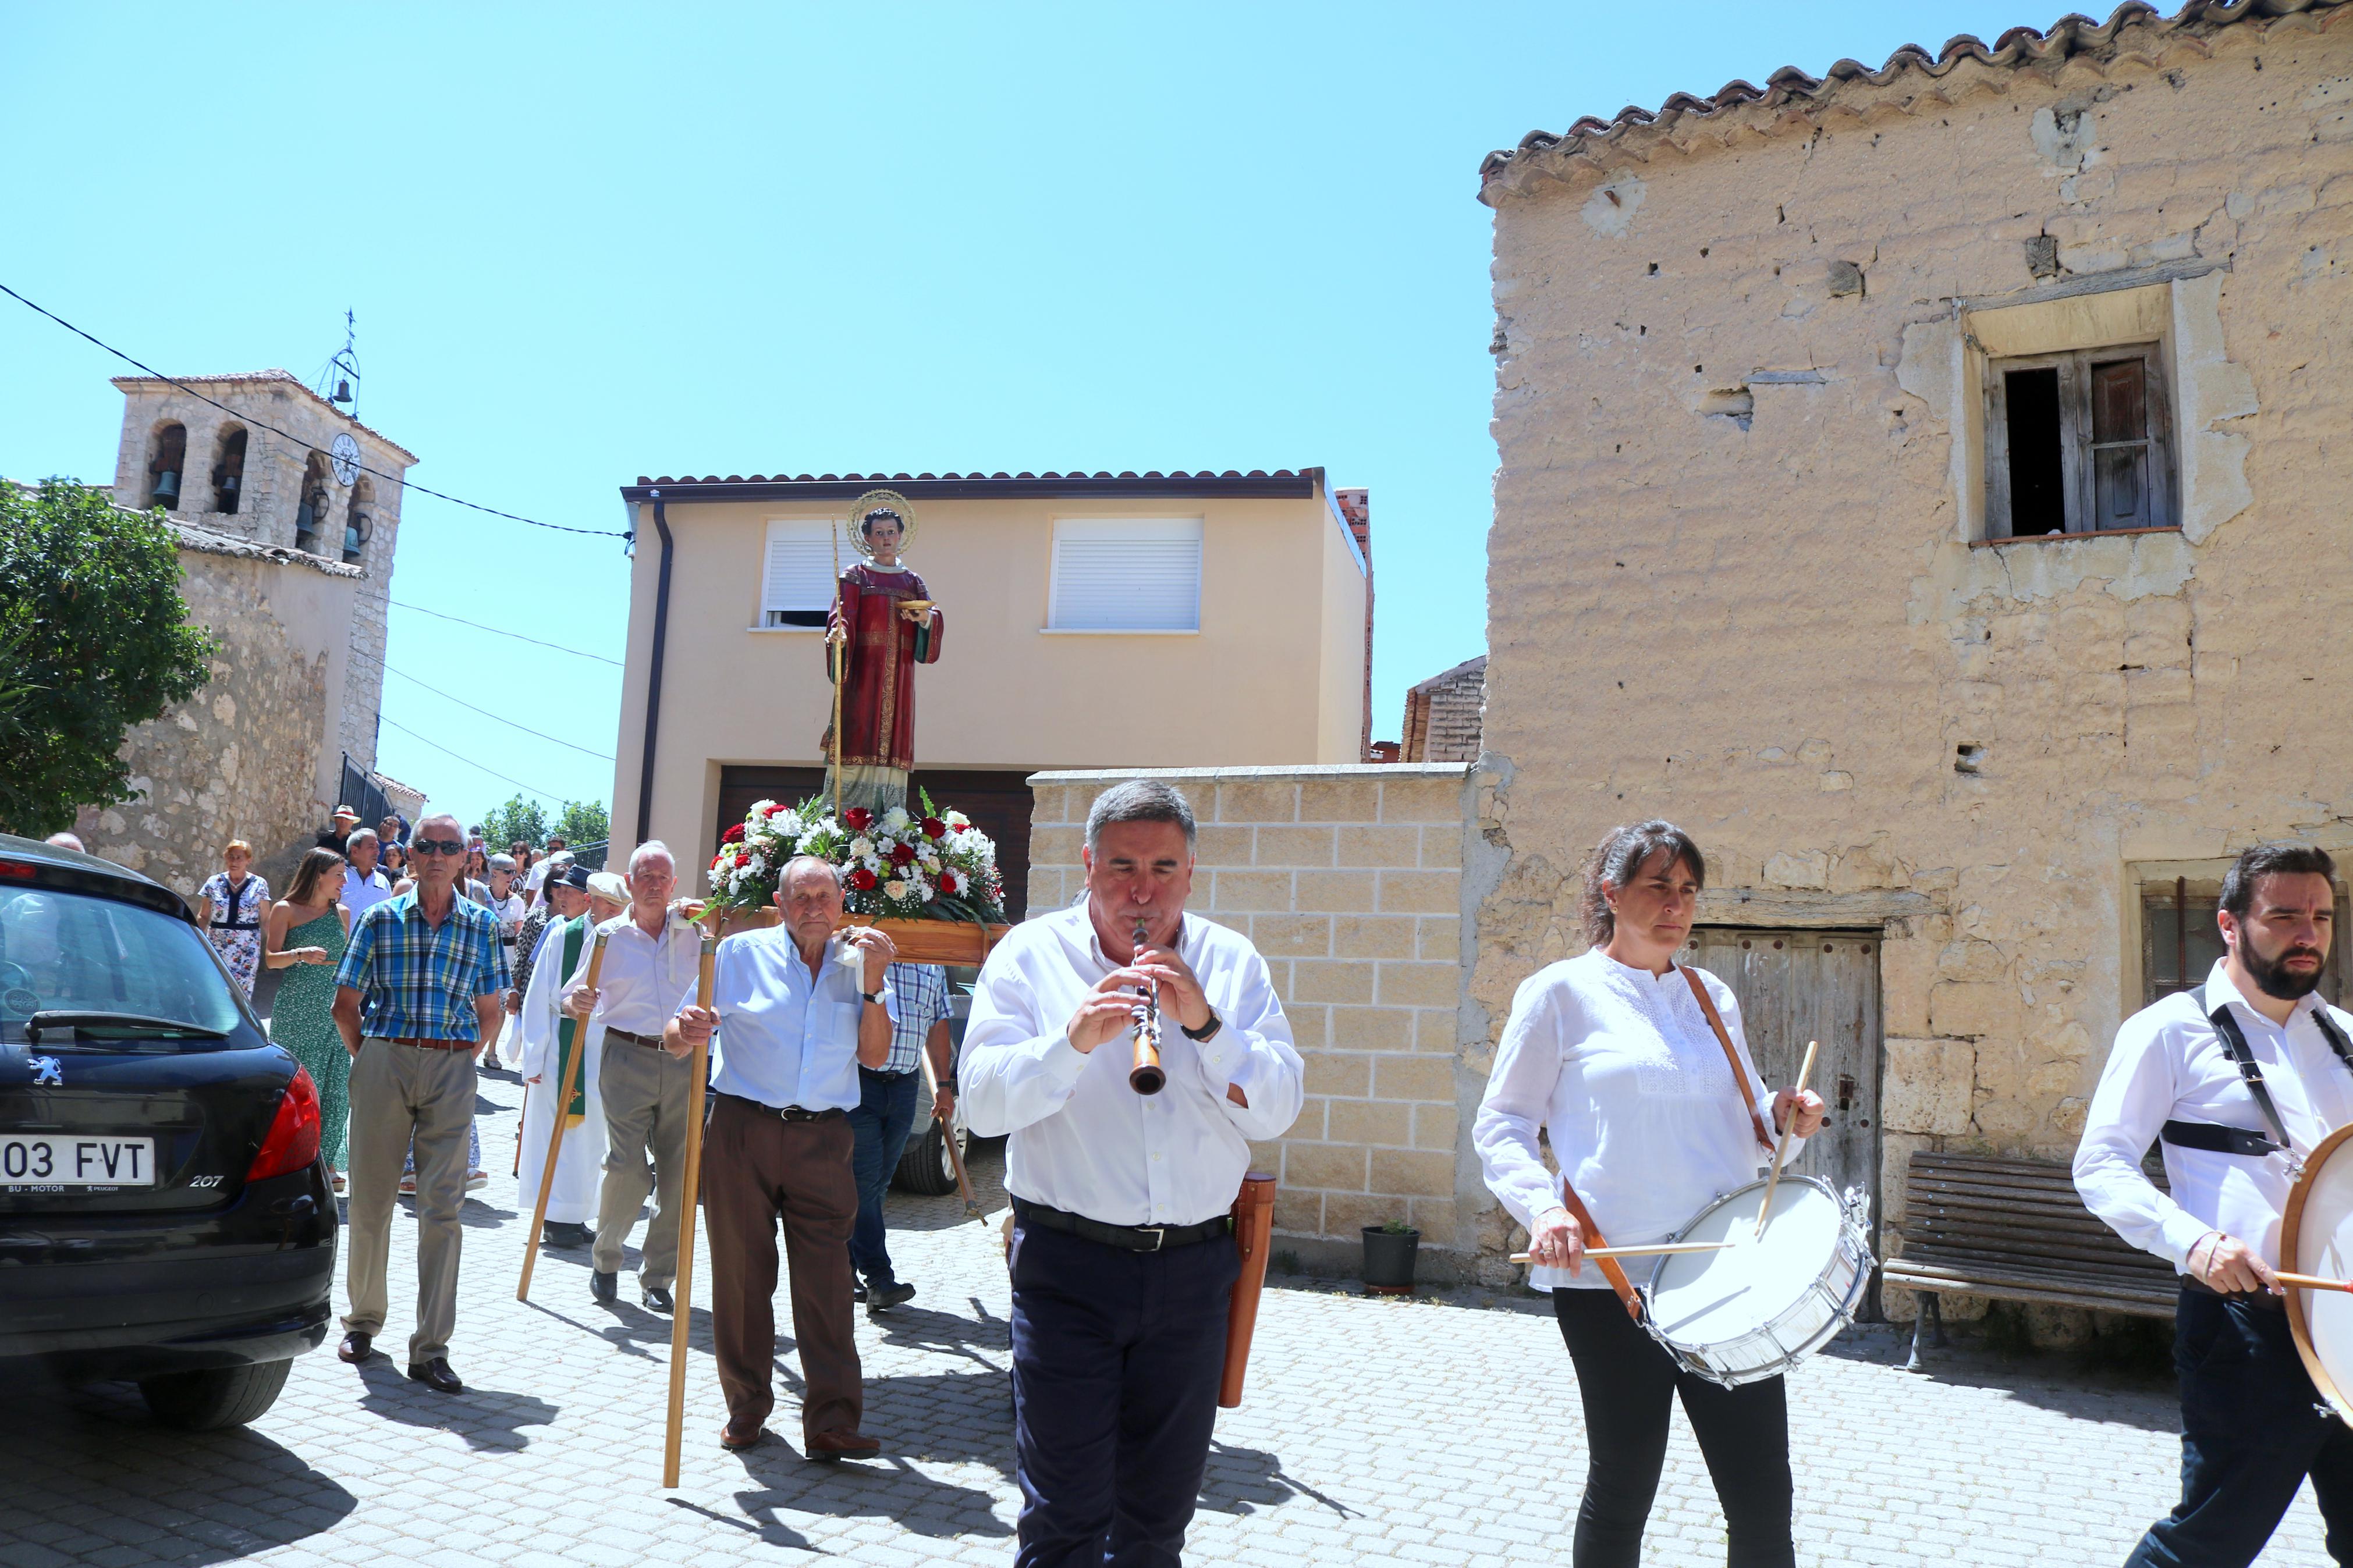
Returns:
(520,817)
(99,642)
(585,822)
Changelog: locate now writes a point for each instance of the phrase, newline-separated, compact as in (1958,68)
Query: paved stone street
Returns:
(1372,1431)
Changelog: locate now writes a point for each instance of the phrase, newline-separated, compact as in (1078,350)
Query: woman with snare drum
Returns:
(1615,1054)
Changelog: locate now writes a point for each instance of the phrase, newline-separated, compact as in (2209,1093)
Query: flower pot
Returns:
(1389,1260)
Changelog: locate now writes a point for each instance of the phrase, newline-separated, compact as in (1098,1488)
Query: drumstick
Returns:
(2313,1282)
(691,1182)
(1781,1149)
(1655,1249)
(555,1132)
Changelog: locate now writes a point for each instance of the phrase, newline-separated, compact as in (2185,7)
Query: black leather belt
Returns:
(651,1043)
(787,1112)
(1128,1237)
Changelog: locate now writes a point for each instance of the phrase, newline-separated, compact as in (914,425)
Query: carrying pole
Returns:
(555,1132)
(690,1189)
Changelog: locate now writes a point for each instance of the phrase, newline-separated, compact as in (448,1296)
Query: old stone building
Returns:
(287,511)
(1918,483)
(1441,715)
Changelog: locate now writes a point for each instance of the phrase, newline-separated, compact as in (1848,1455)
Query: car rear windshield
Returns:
(62,952)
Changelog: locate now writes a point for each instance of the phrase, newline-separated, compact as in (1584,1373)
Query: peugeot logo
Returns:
(46,1071)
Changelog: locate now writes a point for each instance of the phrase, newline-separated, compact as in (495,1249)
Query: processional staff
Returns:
(555,1132)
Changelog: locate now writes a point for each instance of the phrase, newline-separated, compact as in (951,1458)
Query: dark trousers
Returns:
(1115,1363)
(886,1109)
(1630,1383)
(2252,1429)
(757,1167)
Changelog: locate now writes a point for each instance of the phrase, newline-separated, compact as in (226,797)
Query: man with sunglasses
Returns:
(421,987)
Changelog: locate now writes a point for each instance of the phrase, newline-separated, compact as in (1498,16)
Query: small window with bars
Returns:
(2180,941)
(2079,443)
(796,575)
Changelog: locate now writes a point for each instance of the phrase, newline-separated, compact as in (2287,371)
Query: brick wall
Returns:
(1349,881)
(1443,715)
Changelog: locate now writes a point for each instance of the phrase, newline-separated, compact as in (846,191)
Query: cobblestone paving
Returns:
(1424,1432)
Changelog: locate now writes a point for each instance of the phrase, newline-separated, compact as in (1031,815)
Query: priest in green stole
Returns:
(549,1042)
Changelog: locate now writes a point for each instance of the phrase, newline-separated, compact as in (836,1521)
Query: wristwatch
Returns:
(1206,1030)
(873,996)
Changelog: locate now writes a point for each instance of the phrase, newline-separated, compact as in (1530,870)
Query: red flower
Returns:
(733,835)
(903,854)
(715,859)
(948,883)
(858,819)
(935,828)
(862,879)
(772,810)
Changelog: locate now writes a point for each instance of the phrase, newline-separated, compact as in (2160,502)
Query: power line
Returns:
(471,763)
(299,441)
(518,637)
(498,717)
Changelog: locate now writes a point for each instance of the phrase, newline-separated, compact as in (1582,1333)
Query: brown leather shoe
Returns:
(435,1376)
(732,1441)
(355,1348)
(829,1446)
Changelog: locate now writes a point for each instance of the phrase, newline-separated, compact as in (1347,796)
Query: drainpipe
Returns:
(654,675)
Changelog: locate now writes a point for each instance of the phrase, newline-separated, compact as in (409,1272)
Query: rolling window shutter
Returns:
(1127,575)
(796,584)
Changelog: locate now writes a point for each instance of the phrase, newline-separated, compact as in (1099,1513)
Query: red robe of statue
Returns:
(877,706)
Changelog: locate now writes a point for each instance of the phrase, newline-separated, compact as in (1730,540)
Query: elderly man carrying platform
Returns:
(650,953)
(797,1011)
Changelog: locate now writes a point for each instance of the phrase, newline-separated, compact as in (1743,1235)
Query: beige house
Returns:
(1925,485)
(1091,620)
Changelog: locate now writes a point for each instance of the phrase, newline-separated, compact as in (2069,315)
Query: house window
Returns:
(796,581)
(1126,575)
(229,468)
(2181,943)
(164,470)
(2078,443)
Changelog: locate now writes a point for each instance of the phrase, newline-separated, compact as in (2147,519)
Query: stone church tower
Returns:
(287,511)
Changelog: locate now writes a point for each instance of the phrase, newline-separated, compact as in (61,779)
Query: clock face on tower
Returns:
(345,457)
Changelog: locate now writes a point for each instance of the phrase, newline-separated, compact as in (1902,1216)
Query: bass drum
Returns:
(2317,1237)
(1763,1304)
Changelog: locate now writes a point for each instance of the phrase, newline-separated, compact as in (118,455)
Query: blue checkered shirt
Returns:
(419,981)
(921,992)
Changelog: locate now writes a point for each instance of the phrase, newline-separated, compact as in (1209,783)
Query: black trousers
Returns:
(2253,1427)
(1115,1363)
(1630,1383)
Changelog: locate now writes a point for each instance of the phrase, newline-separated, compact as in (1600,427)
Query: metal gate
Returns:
(1800,986)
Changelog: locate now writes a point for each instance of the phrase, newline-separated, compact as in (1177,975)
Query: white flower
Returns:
(895,889)
(760,808)
(956,819)
(861,845)
(895,818)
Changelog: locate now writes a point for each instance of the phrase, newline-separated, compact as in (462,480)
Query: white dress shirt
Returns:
(786,1036)
(1646,1120)
(645,980)
(362,894)
(1082,1140)
(2168,1063)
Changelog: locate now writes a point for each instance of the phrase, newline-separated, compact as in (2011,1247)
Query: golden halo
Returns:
(877,501)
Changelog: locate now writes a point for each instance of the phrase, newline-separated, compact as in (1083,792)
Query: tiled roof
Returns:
(915,487)
(125,382)
(1792,91)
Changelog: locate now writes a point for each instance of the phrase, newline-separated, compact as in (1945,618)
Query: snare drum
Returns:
(2317,1237)
(1762,1305)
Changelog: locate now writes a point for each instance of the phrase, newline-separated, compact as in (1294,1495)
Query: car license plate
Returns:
(56,1160)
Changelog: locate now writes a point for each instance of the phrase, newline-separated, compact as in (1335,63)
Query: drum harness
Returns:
(2217,1139)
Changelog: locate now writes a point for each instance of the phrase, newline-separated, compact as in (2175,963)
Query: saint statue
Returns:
(884,623)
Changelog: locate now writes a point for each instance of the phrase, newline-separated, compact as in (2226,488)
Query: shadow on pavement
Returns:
(91,1477)
(486,1418)
(886,1488)
(1243,1480)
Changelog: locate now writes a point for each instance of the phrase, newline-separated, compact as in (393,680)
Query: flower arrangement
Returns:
(899,866)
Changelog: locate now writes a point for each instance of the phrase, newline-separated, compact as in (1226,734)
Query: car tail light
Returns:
(293,1140)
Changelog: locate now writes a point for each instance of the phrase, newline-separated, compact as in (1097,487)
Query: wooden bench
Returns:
(2016,1230)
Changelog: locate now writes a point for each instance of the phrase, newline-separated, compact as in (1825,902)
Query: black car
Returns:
(164,1214)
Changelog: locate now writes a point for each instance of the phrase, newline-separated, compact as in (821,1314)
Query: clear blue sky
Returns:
(588,243)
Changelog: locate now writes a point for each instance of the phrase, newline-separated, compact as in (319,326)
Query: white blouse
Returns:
(1646,1121)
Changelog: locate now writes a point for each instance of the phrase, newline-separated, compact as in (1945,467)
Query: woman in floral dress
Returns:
(306,934)
(235,900)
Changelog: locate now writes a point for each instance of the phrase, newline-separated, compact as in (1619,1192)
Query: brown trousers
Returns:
(757,1166)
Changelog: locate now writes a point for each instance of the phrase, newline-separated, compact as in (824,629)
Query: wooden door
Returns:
(1801,985)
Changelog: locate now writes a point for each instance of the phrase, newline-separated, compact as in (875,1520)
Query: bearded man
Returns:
(2241,1078)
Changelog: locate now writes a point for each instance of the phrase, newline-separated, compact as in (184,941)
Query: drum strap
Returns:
(2222,1140)
(1610,1268)
(1731,1057)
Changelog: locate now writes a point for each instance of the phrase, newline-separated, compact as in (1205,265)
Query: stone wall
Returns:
(239,759)
(1739,573)
(1441,715)
(1349,881)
